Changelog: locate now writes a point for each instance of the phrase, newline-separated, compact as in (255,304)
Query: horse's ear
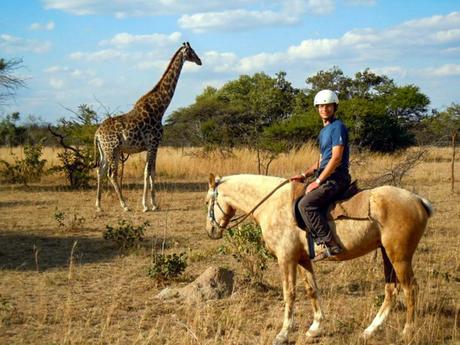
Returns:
(212,180)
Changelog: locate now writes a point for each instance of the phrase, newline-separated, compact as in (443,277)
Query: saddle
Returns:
(352,204)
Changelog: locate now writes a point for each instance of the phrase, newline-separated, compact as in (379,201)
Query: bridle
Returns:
(227,217)
(212,215)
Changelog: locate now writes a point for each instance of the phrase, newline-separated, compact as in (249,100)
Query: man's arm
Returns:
(310,171)
(334,162)
(307,173)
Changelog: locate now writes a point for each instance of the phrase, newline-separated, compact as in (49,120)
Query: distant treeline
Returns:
(268,114)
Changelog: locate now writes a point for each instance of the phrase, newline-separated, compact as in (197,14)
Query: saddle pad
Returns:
(356,207)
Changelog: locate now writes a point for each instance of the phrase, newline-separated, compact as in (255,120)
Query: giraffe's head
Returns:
(190,54)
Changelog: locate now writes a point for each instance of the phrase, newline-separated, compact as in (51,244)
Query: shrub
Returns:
(245,244)
(29,169)
(67,221)
(126,236)
(165,267)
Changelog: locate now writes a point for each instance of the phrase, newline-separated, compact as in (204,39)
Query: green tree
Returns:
(237,114)
(76,137)
(11,133)
(379,114)
(333,79)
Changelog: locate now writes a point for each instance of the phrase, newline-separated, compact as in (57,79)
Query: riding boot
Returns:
(331,249)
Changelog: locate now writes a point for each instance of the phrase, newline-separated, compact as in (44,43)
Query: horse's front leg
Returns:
(288,269)
(312,292)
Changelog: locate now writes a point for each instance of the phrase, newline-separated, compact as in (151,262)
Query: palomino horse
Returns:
(397,220)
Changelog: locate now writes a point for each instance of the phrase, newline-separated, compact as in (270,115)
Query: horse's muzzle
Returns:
(215,233)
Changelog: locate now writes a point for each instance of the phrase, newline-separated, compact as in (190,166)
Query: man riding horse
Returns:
(330,171)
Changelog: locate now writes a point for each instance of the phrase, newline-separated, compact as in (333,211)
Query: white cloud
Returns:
(234,20)
(321,7)
(56,83)
(122,9)
(446,36)
(82,74)
(391,71)
(437,21)
(220,62)
(153,65)
(359,45)
(124,39)
(285,12)
(96,82)
(56,69)
(311,49)
(254,63)
(12,44)
(362,2)
(101,55)
(448,70)
(42,26)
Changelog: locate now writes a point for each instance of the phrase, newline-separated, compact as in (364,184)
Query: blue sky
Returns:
(109,53)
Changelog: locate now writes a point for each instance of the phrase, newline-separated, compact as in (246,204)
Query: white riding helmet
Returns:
(326,97)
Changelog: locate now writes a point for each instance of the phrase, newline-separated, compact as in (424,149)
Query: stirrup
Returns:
(327,253)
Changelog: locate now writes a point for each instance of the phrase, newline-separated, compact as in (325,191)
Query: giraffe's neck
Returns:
(155,102)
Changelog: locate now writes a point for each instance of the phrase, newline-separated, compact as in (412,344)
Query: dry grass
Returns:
(66,285)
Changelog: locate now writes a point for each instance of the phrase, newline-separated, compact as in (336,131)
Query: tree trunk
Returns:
(258,161)
(452,165)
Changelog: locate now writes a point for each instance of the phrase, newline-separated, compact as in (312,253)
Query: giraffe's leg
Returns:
(101,171)
(288,269)
(312,292)
(149,179)
(113,177)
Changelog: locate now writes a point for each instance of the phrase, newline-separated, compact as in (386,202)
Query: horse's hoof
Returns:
(408,331)
(155,208)
(366,335)
(280,340)
(126,209)
(146,209)
(313,333)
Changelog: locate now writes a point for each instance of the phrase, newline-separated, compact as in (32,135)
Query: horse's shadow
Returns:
(37,252)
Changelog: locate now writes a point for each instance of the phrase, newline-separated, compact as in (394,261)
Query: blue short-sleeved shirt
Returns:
(334,134)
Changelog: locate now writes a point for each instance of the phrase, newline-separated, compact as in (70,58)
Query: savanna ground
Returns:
(67,285)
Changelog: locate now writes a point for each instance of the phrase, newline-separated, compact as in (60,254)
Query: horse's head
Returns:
(220,212)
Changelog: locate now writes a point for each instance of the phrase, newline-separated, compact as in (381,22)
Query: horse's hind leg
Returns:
(312,292)
(390,292)
(407,280)
(288,269)
(401,259)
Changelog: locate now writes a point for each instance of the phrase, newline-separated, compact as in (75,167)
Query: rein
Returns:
(241,218)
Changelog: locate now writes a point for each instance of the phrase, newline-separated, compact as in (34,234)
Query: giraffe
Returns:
(139,130)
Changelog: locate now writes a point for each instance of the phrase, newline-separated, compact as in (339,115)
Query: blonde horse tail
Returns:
(427,206)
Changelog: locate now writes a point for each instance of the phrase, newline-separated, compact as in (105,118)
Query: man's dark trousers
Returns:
(314,205)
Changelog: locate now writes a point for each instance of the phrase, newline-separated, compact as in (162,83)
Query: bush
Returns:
(68,222)
(76,167)
(165,267)
(245,244)
(126,236)
(29,169)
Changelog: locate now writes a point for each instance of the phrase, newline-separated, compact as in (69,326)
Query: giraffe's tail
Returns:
(96,151)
